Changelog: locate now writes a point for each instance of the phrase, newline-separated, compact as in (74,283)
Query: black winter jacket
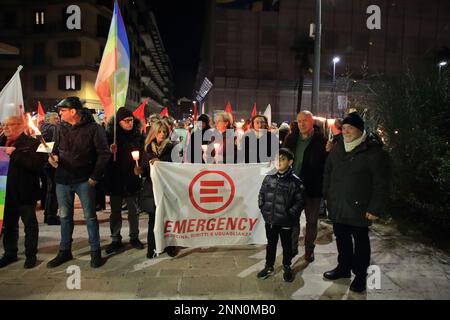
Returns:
(313,165)
(120,179)
(82,150)
(280,199)
(357,182)
(25,164)
(166,155)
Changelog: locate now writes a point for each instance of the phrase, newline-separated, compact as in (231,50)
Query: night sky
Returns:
(181,25)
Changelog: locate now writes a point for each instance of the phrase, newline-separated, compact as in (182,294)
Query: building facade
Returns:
(247,49)
(61,60)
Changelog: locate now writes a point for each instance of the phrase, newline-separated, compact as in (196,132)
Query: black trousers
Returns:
(11,229)
(272,234)
(51,203)
(353,246)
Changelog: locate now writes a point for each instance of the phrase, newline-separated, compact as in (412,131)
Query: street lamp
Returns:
(441,64)
(335,60)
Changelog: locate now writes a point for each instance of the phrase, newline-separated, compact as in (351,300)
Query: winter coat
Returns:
(313,165)
(25,164)
(48,131)
(280,199)
(120,179)
(222,150)
(82,150)
(194,148)
(166,155)
(357,182)
(266,139)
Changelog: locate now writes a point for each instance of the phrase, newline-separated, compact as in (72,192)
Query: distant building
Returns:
(59,62)
(247,49)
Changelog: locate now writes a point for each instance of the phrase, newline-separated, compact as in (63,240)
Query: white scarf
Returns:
(349,146)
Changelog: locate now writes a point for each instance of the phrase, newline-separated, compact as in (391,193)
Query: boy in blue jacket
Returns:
(281,203)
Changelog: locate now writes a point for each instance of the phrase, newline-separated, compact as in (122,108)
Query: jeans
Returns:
(353,246)
(11,229)
(312,208)
(66,197)
(115,220)
(272,233)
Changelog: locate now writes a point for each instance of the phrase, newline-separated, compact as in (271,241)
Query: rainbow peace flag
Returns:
(4,166)
(115,63)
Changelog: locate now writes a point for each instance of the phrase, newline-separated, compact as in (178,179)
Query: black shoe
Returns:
(265,273)
(358,284)
(53,221)
(114,247)
(30,262)
(171,251)
(137,244)
(151,253)
(62,257)
(6,260)
(288,276)
(336,274)
(96,259)
(309,256)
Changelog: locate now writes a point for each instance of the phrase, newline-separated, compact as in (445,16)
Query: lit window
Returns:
(39,17)
(70,82)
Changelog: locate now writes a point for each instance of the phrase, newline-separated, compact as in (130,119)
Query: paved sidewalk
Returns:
(409,270)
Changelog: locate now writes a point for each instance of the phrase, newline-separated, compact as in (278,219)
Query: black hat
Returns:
(354,120)
(123,113)
(71,103)
(287,153)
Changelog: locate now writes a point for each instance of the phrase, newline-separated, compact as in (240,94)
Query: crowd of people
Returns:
(349,172)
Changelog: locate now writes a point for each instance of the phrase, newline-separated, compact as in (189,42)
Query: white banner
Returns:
(200,205)
(11,98)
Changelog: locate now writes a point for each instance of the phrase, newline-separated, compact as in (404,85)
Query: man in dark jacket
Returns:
(281,203)
(122,176)
(81,155)
(22,191)
(308,147)
(356,187)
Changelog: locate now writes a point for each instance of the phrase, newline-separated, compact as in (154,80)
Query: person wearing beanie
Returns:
(122,178)
(281,203)
(356,187)
(80,156)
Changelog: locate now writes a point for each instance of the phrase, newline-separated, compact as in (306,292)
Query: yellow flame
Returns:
(32,126)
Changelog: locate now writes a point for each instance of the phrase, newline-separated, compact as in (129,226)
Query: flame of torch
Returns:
(38,133)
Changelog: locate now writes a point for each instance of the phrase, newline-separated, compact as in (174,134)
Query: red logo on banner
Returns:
(214,191)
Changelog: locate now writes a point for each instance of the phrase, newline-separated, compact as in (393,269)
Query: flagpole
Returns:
(115,87)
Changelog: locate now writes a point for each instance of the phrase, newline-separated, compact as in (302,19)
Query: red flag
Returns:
(164,112)
(41,112)
(228,110)
(195,111)
(254,110)
(140,114)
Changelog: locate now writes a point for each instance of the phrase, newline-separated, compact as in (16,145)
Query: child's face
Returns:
(284,163)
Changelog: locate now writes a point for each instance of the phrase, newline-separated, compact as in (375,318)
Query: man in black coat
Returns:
(22,191)
(308,147)
(81,155)
(356,187)
(122,179)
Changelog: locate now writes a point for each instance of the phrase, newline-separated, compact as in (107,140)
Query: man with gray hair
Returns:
(310,156)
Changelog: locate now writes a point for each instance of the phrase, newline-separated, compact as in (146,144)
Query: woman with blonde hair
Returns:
(157,147)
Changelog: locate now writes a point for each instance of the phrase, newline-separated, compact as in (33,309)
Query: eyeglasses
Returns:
(128,120)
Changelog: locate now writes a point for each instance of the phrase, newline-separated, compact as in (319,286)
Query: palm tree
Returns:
(303,48)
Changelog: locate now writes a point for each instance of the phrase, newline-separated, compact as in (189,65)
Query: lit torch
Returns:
(135,155)
(38,135)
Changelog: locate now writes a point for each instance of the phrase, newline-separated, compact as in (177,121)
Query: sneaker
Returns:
(6,260)
(96,259)
(30,262)
(114,247)
(288,276)
(358,284)
(265,273)
(137,244)
(62,257)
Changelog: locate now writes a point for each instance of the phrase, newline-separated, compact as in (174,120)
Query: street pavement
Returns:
(408,270)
